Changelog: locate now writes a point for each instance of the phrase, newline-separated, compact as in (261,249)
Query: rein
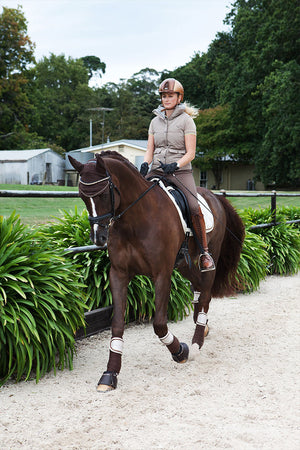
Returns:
(137,200)
(97,220)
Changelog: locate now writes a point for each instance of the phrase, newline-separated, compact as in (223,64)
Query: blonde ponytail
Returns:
(191,110)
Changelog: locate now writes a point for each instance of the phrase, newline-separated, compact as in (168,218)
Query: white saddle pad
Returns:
(206,211)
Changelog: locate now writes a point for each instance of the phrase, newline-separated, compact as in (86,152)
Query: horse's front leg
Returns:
(179,350)
(118,285)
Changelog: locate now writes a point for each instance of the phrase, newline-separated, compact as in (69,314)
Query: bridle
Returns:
(98,220)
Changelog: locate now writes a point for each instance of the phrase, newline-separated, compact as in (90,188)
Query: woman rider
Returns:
(171,147)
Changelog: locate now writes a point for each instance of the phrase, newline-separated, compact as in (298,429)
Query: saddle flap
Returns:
(181,204)
(207,213)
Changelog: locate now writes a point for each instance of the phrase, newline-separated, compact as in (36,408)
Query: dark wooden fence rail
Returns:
(41,194)
(72,194)
(273,196)
(100,319)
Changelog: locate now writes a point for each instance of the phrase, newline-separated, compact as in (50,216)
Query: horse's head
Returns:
(97,191)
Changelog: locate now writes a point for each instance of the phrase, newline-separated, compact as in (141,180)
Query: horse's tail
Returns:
(226,282)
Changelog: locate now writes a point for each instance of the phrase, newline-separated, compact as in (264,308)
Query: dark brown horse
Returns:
(139,225)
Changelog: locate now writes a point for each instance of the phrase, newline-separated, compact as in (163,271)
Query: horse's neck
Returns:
(131,184)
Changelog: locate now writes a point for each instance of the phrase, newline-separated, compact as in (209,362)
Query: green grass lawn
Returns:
(38,210)
(263,202)
(42,210)
(35,187)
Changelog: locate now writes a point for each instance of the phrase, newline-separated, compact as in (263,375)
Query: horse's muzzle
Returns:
(99,238)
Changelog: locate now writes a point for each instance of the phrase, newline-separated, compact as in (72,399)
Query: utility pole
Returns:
(91,133)
(103,109)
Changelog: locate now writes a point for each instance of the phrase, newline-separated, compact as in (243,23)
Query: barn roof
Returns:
(21,155)
(137,143)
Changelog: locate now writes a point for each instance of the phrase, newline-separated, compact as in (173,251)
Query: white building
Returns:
(31,166)
(132,149)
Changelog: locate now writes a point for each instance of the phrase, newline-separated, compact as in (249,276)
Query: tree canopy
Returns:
(94,65)
(246,88)
(58,90)
(16,54)
(254,71)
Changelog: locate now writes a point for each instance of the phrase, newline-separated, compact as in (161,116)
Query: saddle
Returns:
(180,201)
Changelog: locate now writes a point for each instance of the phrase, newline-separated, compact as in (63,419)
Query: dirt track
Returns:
(241,391)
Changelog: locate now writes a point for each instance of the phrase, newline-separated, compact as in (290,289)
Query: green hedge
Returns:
(41,304)
(73,230)
(44,291)
(253,264)
(267,251)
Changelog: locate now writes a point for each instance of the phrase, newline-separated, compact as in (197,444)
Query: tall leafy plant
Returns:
(41,304)
(283,245)
(72,231)
(290,213)
(282,242)
(253,264)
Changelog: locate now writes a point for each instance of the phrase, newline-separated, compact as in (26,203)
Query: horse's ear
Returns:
(100,163)
(76,164)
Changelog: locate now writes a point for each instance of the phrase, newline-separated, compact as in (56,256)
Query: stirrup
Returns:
(206,269)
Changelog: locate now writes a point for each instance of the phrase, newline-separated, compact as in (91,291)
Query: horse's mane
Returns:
(115,155)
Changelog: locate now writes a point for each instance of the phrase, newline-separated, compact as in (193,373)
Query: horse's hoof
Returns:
(183,354)
(108,382)
(195,352)
(206,331)
(104,388)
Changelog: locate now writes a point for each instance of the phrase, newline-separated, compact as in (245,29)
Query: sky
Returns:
(127,35)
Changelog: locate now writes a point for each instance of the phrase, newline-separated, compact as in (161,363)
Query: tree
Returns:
(279,159)
(192,77)
(205,76)
(263,31)
(94,65)
(16,54)
(215,141)
(132,101)
(59,92)
(143,87)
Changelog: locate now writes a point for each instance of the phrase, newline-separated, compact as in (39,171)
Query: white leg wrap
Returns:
(202,318)
(196,297)
(116,345)
(167,339)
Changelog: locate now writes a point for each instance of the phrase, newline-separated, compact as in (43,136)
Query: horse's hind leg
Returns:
(201,306)
(118,284)
(179,351)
